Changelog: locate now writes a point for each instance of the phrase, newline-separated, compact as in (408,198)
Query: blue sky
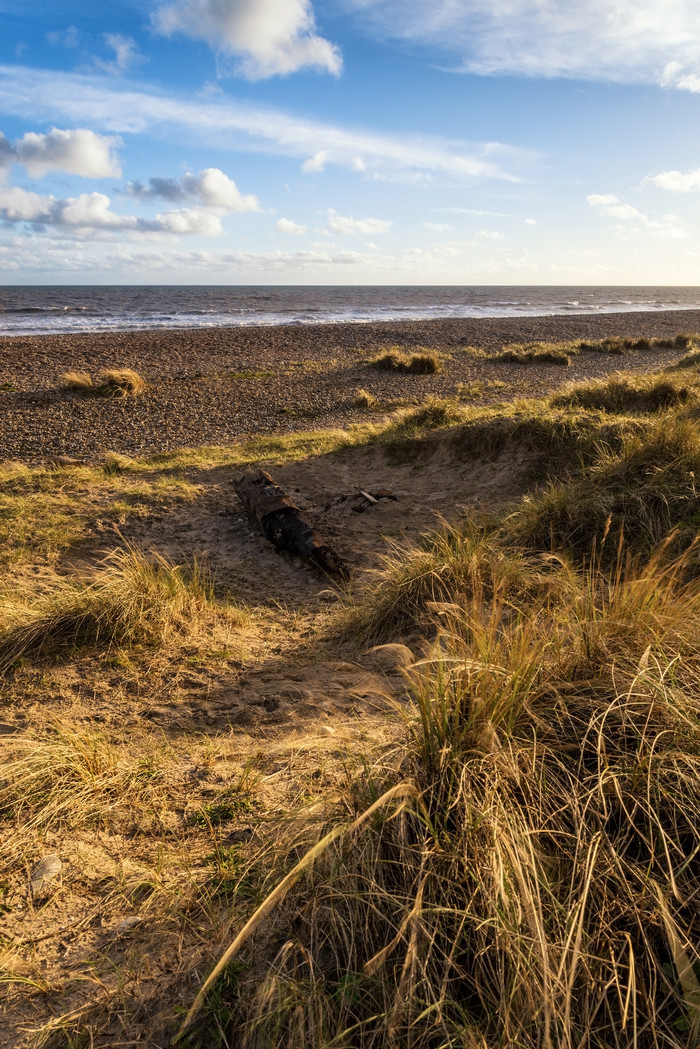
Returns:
(350,142)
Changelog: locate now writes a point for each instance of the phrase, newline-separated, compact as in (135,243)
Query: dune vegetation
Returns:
(494,842)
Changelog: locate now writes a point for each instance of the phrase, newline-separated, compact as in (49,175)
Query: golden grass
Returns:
(511,860)
(114,382)
(397,360)
(621,394)
(365,399)
(538,886)
(121,382)
(134,597)
(536,353)
(77,382)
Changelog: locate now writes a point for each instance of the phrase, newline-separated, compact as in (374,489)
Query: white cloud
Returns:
(317,162)
(69,37)
(610,206)
(437,227)
(211,188)
(343,224)
(126,55)
(530,222)
(188,221)
(267,37)
(91,213)
(655,41)
(676,181)
(479,213)
(224,123)
(217,190)
(489,234)
(78,152)
(8,155)
(288,226)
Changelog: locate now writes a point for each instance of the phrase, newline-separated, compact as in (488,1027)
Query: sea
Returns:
(39,310)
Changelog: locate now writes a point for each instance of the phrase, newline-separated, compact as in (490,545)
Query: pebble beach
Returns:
(218,385)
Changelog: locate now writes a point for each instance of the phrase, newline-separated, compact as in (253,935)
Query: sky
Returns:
(350,142)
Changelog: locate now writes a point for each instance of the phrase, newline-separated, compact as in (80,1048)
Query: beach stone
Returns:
(127,925)
(391,657)
(45,872)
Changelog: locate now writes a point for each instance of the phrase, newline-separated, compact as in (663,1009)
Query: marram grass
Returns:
(539,888)
(134,597)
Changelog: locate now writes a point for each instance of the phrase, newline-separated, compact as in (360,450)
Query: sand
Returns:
(215,386)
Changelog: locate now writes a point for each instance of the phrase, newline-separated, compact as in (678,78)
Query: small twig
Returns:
(365,495)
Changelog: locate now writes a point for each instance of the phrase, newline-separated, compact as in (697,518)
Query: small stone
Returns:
(391,657)
(127,925)
(326,730)
(45,872)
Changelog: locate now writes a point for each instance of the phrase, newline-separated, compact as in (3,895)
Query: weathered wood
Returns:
(283,523)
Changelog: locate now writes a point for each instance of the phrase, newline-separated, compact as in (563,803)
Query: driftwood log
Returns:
(283,523)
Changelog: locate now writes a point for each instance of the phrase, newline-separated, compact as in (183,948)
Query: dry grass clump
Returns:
(396,360)
(121,382)
(114,382)
(410,424)
(622,394)
(365,399)
(644,490)
(114,464)
(443,567)
(691,360)
(556,440)
(134,598)
(524,870)
(537,353)
(77,382)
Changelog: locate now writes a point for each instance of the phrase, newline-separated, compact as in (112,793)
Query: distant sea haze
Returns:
(55,310)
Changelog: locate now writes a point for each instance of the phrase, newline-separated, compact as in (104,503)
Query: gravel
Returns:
(216,386)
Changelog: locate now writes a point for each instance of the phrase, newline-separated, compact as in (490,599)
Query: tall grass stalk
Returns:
(542,891)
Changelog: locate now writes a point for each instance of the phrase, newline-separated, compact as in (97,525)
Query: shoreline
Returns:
(221,385)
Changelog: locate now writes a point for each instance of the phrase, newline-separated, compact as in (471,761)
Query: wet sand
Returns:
(213,386)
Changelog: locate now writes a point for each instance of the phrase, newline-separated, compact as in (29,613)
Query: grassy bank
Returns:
(483,832)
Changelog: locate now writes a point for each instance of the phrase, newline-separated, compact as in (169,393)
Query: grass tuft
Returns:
(395,360)
(621,394)
(121,382)
(365,399)
(644,491)
(537,353)
(77,382)
(535,887)
(114,382)
(134,598)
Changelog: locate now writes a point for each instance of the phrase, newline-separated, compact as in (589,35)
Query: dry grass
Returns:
(621,394)
(539,889)
(121,382)
(643,490)
(114,382)
(133,598)
(365,399)
(397,360)
(511,860)
(77,382)
(536,353)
